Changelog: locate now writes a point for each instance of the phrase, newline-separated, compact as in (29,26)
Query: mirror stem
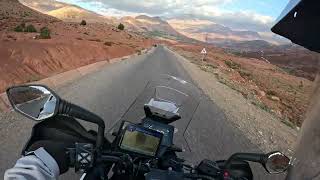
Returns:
(259,158)
(66,108)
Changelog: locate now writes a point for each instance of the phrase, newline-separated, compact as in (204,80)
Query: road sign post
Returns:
(204,54)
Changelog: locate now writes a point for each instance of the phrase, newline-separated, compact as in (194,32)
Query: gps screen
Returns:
(140,140)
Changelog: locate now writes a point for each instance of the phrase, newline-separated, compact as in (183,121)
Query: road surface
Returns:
(37,107)
(109,93)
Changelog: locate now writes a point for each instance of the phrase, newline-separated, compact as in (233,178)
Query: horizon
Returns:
(248,88)
(248,15)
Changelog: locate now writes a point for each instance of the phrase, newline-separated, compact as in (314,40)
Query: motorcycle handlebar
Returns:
(66,108)
(197,176)
(146,169)
(107,158)
(114,159)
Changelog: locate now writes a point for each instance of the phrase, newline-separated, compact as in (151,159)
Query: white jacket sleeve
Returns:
(38,164)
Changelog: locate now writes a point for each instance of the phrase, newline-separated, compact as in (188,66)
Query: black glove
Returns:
(58,150)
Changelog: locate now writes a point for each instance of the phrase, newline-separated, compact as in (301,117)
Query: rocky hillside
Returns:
(209,31)
(12,10)
(153,27)
(293,59)
(76,14)
(248,46)
(263,84)
(43,6)
(66,12)
(29,55)
(145,23)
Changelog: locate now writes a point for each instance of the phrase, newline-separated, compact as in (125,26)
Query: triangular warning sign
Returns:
(204,51)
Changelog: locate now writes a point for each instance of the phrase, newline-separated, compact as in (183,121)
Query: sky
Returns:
(255,15)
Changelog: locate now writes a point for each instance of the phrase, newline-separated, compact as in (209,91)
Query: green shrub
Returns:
(212,65)
(44,33)
(232,64)
(271,93)
(261,105)
(108,43)
(23,25)
(26,14)
(30,28)
(23,28)
(19,28)
(244,73)
(121,26)
(83,23)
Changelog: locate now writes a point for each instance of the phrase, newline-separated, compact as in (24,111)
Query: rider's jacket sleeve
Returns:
(38,164)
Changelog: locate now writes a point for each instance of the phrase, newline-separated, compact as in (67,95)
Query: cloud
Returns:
(245,20)
(202,9)
(238,20)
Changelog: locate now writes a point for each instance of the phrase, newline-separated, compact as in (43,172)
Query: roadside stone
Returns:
(262,93)
(274,98)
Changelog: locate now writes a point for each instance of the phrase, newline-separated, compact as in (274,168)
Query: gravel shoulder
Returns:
(260,127)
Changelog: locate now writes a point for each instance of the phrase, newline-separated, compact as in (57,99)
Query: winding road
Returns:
(110,91)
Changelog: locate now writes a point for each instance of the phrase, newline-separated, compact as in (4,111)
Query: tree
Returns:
(19,28)
(44,33)
(23,25)
(23,28)
(121,26)
(83,23)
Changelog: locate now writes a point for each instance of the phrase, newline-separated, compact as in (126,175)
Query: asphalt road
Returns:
(35,107)
(110,92)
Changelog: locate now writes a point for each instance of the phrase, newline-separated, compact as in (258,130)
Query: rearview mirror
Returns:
(33,101)
(276,162)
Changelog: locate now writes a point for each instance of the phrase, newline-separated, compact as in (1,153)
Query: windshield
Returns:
(168,97)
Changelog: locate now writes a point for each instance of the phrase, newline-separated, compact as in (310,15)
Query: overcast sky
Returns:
(256,15)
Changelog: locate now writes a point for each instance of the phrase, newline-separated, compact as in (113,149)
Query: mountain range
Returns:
(66,12)
(154,27)
(181,29)
(209,31)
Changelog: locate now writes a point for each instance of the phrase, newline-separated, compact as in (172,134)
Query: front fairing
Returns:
(167,104)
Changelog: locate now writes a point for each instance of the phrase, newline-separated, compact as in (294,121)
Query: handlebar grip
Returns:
(72,156)
(110,158)
(253,157)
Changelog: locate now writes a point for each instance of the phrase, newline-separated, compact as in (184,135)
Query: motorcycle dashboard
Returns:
(140,140)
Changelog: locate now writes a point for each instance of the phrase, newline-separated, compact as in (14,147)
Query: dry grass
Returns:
(258,82)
